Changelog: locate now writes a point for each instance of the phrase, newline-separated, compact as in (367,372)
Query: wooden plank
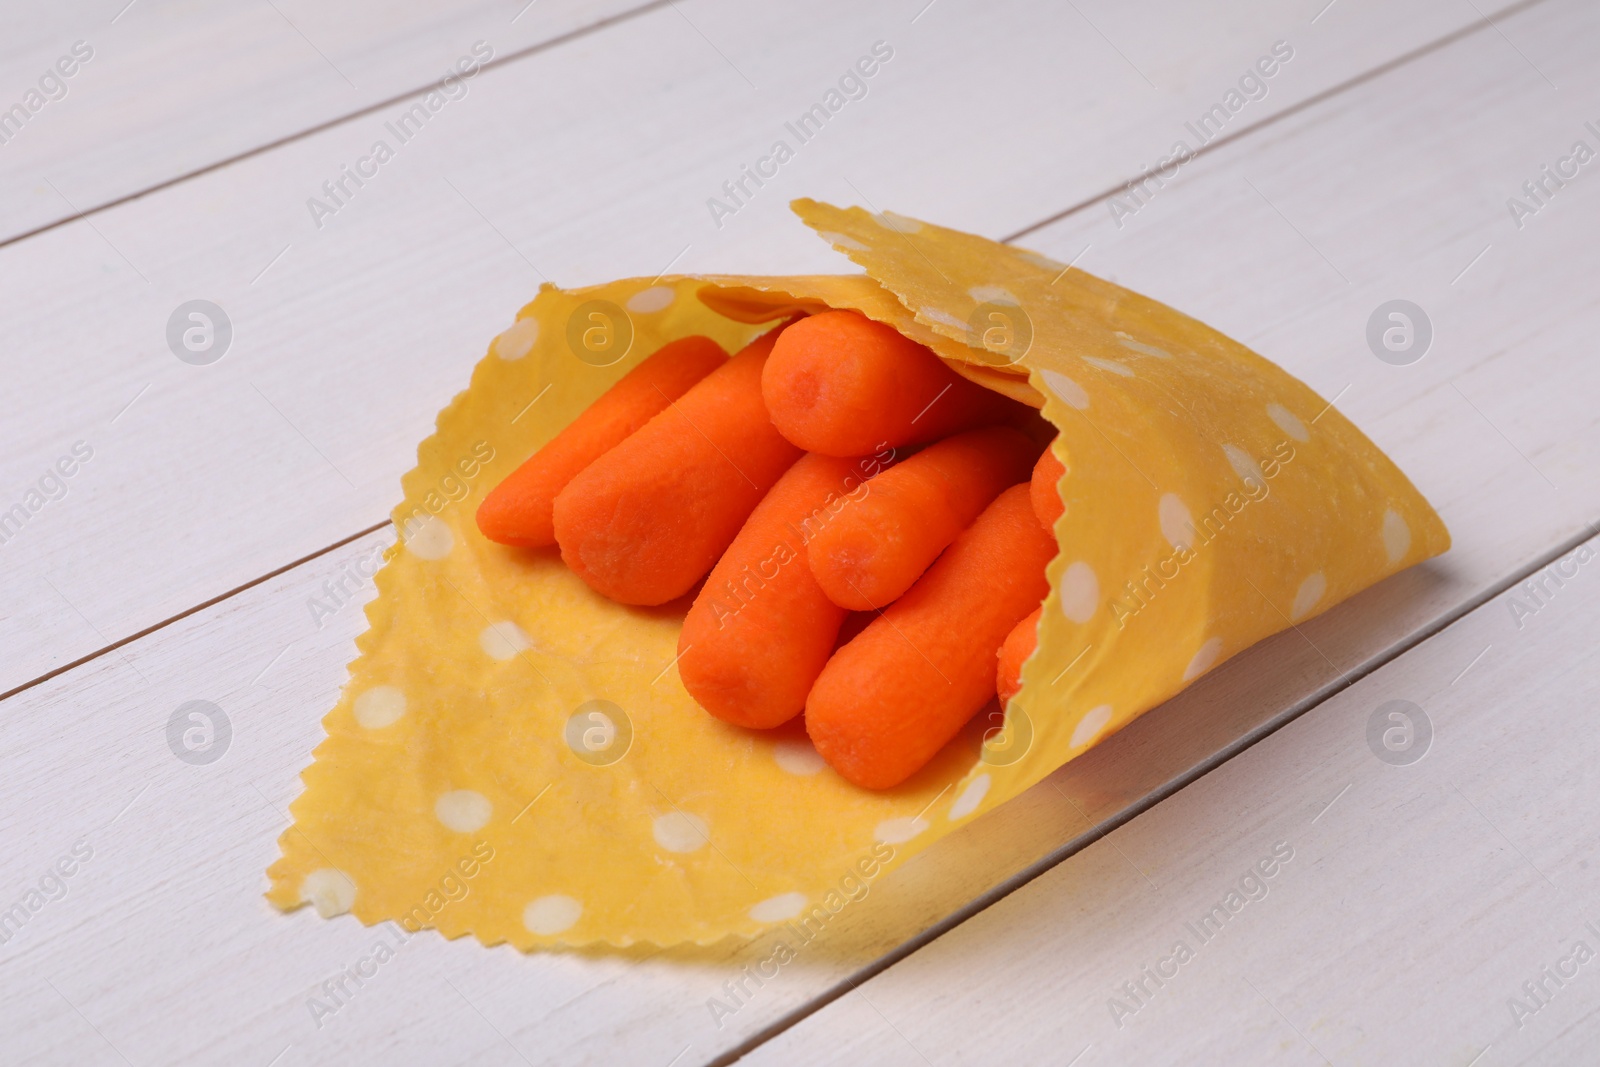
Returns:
(161,88)
(348,338)
(168,950)
(1411,894)
(1352,196)
(165,920)
(196,85)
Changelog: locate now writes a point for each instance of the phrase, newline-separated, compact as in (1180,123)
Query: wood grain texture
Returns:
(1417,900)
(162,950)
(173,86)
(168,911)
(1434,928)
(589,161)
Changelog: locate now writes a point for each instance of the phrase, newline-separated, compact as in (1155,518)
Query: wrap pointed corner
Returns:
(514,756)
(1213,499)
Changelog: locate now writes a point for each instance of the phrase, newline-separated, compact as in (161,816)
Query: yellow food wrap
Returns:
(514,756)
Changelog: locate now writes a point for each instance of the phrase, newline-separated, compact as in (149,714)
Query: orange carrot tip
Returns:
(644,522)
(876,548)
(840,384)
(890,699)
(1020,643)
(519,510)
(1045,488)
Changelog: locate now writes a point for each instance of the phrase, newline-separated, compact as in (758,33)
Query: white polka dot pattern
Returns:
(503,640)
(551,915)
(798,757)
(679,831)
(1288,422)
(517,341)
(777,909)
(1308,595)
(1080,592)
(1177,525)
(992,294)
(899,831)
(841,240)
(970,797)
(1109,365)
(463,811)
(1396,536)
(380,706)
(1140,347)
(1244,465)
(330,891)
(1203,660)
(1091,726)
(1070,392)
(656,298)
(427,537)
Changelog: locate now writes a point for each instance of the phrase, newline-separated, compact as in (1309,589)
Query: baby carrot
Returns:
(1020,643)
(840,384)
(880,545)
(648,519)
(1047,475)
(761,628)
(890,699)
(517,511)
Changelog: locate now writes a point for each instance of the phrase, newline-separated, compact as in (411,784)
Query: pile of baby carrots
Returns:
(869,546)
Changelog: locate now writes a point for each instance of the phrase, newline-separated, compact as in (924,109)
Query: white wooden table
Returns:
(1422,912)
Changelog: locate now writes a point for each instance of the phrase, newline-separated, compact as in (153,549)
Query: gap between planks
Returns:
(1485,22)
(327,124)
(1070,848)
(1155,796)
(186,612)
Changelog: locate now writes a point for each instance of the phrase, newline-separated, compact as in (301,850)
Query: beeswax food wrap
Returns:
(514,756)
